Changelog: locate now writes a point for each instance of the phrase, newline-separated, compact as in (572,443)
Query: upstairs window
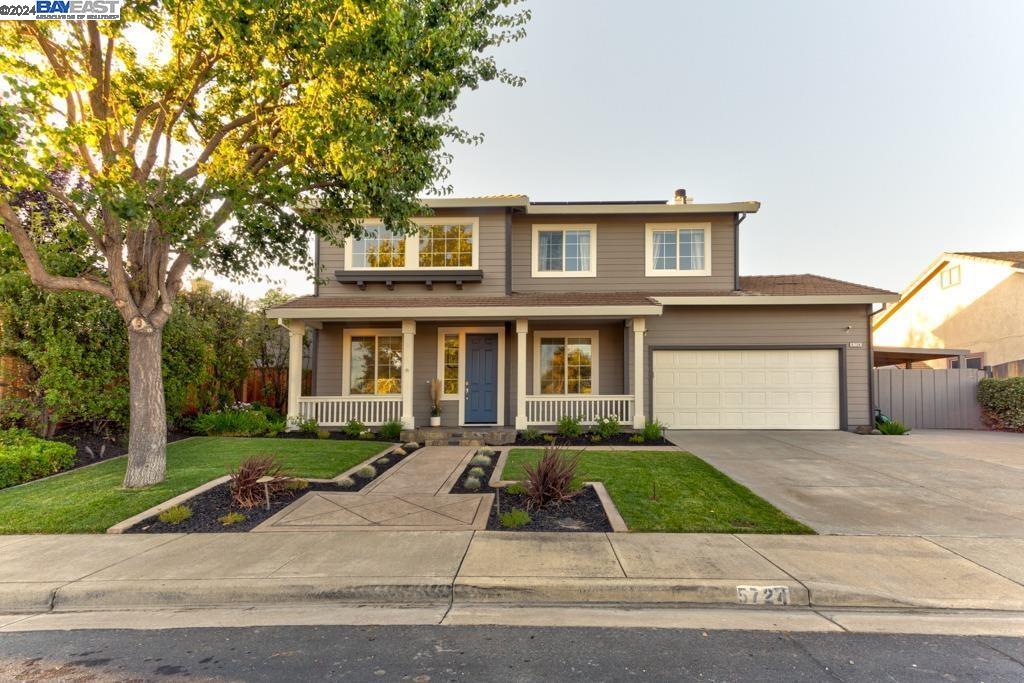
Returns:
(564,251)
(441,243)
(950,277)
(678,249)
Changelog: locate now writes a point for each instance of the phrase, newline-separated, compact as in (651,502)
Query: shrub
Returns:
(471,484)
(323,434)
(476,471)
(636,438)
(24,457)
(607,427)
(570,427)
(382,461)
(515,518)
(391,430)
(346,482)
(892,428)
(236,421)
(367,436)
(296,485)
(652,431)
(530,434)
(309,426)
(552,479)
(246,489)
(367,472)
(1003,402)
(485,450)
(595,438)
(175,515)
(231,518)
(354,428)
(481,461)
(516,489)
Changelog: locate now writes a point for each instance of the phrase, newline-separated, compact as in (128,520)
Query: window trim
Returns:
(412,246)
(346,354)
(595,348)
(535,270)
(649,231)
(947,274)
(461,396)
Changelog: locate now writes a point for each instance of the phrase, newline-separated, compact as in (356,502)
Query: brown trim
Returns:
(844,422)
(390,277)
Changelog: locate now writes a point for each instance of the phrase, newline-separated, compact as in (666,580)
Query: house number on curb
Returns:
(762,595)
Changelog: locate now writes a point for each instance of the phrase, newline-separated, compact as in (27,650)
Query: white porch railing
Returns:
(547,410)
(335,411)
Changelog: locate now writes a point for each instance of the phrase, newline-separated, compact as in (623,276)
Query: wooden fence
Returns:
(1015,368)
(930,399)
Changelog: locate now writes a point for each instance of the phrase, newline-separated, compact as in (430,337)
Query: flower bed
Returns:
(587,439)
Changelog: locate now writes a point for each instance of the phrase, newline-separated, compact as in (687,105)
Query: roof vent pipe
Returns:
(680,197)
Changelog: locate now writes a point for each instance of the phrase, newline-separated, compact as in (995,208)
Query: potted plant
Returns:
(435,402)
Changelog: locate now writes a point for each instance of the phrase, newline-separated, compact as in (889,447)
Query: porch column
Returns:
(296,329)
(639,328)
(408,337)
(522,326)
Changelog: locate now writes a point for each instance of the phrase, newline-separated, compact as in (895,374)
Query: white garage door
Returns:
(787,389)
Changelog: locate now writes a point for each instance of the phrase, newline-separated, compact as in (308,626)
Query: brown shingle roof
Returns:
(802,285)
(1014,257)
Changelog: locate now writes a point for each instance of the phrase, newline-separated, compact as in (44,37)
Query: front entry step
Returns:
(461,436)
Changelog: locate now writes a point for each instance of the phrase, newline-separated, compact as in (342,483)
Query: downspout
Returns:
(508,251)
(871,365)
(314,342)
(737,218)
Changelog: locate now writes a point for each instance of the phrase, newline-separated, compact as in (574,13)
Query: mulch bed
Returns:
(621,439)
(583,512)
(484,486)
(208,507)
(91,447)
(334,436)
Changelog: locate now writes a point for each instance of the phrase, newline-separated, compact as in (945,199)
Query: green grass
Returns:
(692,496)
(91,499)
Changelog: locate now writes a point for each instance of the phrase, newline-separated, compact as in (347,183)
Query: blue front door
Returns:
(481,378)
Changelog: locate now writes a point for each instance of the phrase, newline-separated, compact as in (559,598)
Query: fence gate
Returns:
(930,399)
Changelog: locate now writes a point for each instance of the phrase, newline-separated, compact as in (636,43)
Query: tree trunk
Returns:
(147,433)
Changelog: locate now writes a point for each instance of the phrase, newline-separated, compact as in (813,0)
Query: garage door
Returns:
(787,389)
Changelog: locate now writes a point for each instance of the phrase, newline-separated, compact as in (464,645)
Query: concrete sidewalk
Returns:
(464,568)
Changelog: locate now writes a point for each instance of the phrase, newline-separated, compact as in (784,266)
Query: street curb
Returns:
(92,595)
(585,591)
(25,596)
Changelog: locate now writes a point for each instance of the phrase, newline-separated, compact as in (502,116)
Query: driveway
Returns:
(931,482)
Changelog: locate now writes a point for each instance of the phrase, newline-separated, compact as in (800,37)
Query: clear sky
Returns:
(875,134)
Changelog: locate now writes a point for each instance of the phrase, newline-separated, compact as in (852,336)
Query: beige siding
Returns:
(492,263)
(621,256)
(711,327)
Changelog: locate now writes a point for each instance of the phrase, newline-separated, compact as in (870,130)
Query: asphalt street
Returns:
(423,654)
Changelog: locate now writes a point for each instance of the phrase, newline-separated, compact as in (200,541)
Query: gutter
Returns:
(736,220)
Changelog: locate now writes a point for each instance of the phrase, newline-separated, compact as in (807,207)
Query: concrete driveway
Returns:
(931,482)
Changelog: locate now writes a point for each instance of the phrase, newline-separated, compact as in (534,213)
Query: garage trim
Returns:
(841,348)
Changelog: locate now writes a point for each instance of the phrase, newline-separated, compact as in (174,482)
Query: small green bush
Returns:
(240,421)
(636,438)
(309,426)
(652,431)
(595,438)
(892,428)
(1003,402)
(471,484)
(296,485)
(23,457)
(367,472)
(323,434)
(481,461)
(382,461)
(485,450)
(367,436)
(354,428)
(530,434)
(231,518)
(175,515)
(515,518)
(391,430)
(346,482)
(607,427)
(516,489)
(570,427)
(476,471)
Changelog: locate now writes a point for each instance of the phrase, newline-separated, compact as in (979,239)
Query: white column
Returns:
(296,330)
(408,337)
(522,326)
(639,327)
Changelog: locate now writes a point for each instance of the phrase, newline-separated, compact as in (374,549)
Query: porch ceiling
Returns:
(542,305)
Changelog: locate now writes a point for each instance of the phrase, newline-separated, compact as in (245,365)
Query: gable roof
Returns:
(804,284)
(1011,259)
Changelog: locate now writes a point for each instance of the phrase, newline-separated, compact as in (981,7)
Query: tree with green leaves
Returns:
(219,134)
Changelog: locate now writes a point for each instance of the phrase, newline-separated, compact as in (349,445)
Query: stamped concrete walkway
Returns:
(412,495)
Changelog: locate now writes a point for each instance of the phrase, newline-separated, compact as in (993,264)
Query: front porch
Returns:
(518,374)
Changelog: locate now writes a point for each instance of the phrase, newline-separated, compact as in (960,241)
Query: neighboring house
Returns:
(531,311)
(972,302)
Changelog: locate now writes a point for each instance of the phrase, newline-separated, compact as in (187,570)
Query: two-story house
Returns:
(530,311)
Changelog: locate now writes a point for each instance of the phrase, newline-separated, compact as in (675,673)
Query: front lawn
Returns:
(91,499)
(692,496)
